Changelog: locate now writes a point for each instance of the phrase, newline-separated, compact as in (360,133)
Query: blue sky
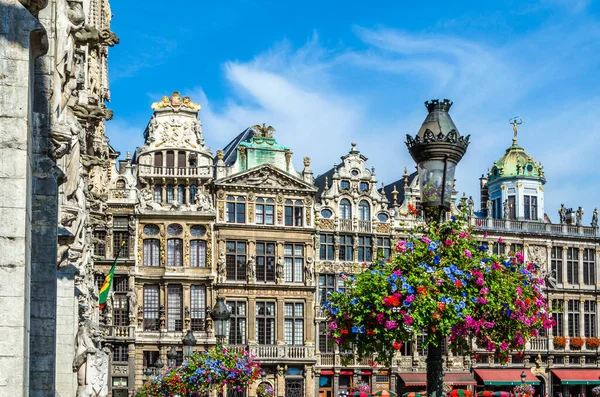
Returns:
(326,73)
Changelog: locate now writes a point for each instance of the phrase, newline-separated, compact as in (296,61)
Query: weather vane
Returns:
(515,121)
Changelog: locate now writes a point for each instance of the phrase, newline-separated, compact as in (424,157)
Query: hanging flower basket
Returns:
(560,342)
(592,343)
(524,389)
(361,386)
(265,390)
(576,342)
(596,391)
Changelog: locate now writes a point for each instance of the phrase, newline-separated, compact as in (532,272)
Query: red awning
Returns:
(346,372)
(326,372)
(578,376)
(505,377)
(365,372)
(420,378)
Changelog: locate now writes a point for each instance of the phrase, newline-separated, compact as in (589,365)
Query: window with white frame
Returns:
(151,252)
(151,305)
(236,209)
(573,317)
(265,323)
(294,263)
(589,318)
(237,322)
(170,194)
(293,213)
(572,265)
(364,211)
(197,307)
(174,303)
(530,207)
(198,253)
(265,261)
(345,209)
(294,323)
(174,252)
(265,211)
(158,194)
(346,252)
(384,247)
(589,266)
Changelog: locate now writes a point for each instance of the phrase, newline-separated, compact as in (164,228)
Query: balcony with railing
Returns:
(159,171)
(533,227)
(283,352)
(121,332)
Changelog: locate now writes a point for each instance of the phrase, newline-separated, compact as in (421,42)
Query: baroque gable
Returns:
(266,177)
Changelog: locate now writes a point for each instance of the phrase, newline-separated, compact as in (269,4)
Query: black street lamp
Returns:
(437,149)
(523,377)
(159,364)
(148,372)
(172,357)
(189,342)
(220,315)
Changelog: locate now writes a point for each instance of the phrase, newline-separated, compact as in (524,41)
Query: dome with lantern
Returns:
(516,163)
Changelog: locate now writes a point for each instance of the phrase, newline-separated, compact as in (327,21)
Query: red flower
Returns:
(370,332)
(421,290)
(397,345)
(344,331)
(412,209)
(458,283)
(441,305)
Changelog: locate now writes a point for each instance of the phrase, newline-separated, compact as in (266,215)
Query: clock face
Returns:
(151,230)
(197,231)
(174,229)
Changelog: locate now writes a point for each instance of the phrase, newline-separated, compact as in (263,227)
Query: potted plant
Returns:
(592,343)
(576,342)
(560,342)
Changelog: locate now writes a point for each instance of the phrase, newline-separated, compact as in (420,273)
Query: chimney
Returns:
(484,194)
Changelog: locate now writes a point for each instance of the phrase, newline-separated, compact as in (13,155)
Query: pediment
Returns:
(266,177)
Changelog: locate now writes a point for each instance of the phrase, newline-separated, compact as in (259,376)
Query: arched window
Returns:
(170,194)
(197,253)
(193,192)
(180,194)
(120,184)
(364,213)
(151,252)
(158,194)
(174,252)
(345,209)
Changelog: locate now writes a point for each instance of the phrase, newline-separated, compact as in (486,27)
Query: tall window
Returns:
(237,322)
(589,318)
(326,249)
(384,248)
(530,207)
(170,194)
(512,207)
(99,243)
(180,194)
(345,209)
(294,323)
(174,252)
(151,252)
(158,194)
(293,213)
(556,263)
(151,299)
(193,192)
(326,345)
(364,211)
(120,310)
(236,209)
(158,159)
(573,265)
(120,353)
(170,162)
(236,260)
(294,263)
(497,209)
(265,262)
(265,211)
(174,298)
(558,308)
(150,357)
(181,160)
(589,264)
(514,248)
(326,286)
(120,236)
(265,323)
(121,284)
(573,317)
(198,307)
(197,253)
(365,249)
(346,250)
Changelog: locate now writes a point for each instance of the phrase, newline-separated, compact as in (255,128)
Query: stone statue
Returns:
(562,214)
(471,205)
(90,363)
(579,216)
(308,270)
(251,270)
(506,209)
(279,269)
(221,264)
(132,299)
(108,314)
(489,205)
(595,218)
(204,202)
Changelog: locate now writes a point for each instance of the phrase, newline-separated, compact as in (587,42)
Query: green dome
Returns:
(516,164)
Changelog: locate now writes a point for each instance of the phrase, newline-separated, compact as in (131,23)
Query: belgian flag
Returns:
(106,286)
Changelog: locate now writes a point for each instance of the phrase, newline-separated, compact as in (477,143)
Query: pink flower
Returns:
(439,282)
(391,324)
(467,253)
(463,234)
(485,234)
(504,346)
(520,256)
(499,240)
(332,325)
(448,242)
(408,319)
(410,298)
(380,317)
(519,290)
(401,246)
(426,240)
(479,281)
(397,272)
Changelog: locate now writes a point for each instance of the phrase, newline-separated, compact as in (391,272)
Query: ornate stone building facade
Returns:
(274,242)
(55,157)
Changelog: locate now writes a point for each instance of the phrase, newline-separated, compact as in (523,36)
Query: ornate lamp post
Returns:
(148,373)
(159,364)
(189,342)
(523,377)
(172,357)
(437,149)
(220,315)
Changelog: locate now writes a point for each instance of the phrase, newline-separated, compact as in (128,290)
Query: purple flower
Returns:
(408,319)
(332,325)
(426,240)
(467,253)
(410,298)
(390,324)
(380,317)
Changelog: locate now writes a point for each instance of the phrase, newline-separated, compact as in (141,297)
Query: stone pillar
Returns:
(66,329)
(130,366)
(581,319)
(279,321)
(336,382)
(564,266)
(580,265)
(251,316)
(280,381)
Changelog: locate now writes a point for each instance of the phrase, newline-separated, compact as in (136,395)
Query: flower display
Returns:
(596,391)
(524,390)
(205,371)
(592,343)
(360,386)
(576,342)
(560,342)
(265,390)
(440,283)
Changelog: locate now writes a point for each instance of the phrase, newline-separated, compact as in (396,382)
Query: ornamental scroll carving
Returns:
(325,224)
(382,228)
(537,254)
